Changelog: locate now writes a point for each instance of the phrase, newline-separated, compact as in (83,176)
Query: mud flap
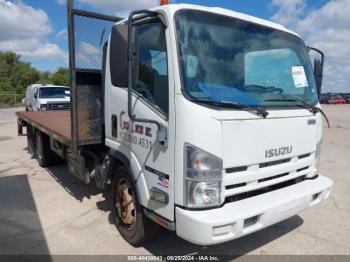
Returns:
(77,168)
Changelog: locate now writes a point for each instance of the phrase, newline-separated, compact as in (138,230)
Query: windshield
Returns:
(226,59)
(54,92)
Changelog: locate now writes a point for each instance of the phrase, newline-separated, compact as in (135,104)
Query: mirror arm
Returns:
(162,133)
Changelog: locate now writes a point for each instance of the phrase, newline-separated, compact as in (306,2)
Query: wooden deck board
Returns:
(57,122)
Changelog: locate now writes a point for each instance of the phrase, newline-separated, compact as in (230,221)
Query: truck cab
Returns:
(226,92)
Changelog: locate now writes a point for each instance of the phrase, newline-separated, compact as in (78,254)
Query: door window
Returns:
(152,80)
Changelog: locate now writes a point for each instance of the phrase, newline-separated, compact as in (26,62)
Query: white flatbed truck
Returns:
(202,120)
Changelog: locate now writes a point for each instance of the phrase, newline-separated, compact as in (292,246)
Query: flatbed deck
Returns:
(54,123)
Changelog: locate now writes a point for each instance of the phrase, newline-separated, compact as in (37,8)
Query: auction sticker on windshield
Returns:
(299,76)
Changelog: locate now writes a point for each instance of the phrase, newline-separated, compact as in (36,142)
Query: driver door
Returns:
(151,99)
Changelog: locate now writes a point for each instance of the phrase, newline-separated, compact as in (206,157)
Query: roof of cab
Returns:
(173,8)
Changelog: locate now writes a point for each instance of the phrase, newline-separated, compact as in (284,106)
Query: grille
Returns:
(302,169)
(264,190)
(235,186)
(272,177)
(304,156)
(236,169)
(262,165)
(58,106)
(242,180)
(273,163)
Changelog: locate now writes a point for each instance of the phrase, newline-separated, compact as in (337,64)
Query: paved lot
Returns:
(45,211)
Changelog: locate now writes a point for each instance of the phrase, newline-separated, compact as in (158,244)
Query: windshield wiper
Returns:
(313,109)
(257,110)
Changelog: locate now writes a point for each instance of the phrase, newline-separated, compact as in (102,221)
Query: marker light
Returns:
(317,157)
(164,2)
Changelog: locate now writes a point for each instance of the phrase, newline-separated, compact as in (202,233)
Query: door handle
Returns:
(114,126)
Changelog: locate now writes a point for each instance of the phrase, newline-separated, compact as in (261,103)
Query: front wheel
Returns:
(128,216)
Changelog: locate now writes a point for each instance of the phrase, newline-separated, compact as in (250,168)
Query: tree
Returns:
(16,75)
(45,78)
(60,77)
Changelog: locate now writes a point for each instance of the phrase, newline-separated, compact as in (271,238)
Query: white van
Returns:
(47,97)
(29,95)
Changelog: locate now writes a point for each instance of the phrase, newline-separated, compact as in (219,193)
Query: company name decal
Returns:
(134,133)
(278,151)
(132,127)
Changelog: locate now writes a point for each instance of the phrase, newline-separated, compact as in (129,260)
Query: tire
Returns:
(44,154)
(131,223)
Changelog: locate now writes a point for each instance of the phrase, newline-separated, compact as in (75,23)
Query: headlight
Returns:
(203,178)
(43,107)
(318,156)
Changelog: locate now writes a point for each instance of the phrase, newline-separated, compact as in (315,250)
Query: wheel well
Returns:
(45,137)
(140,184)
(32,133)
(115,164)
(118,159)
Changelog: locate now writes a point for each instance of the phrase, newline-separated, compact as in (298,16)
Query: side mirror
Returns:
(318,69)
(36,95)
(318,73)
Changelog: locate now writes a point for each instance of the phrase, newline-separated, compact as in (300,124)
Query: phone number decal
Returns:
(136,140)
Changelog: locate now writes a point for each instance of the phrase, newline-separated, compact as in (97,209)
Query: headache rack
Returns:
(87,36)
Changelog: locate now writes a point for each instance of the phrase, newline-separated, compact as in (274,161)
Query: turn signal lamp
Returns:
(203,178)
(164,2)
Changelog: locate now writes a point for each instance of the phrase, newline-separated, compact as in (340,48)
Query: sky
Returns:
(36,29)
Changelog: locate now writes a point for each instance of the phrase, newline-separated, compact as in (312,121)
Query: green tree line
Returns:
(16,75)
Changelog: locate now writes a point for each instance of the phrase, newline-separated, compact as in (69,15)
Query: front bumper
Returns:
(240,218)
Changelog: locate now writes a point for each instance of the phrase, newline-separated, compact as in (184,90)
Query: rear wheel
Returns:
(44,154)
(128,216)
